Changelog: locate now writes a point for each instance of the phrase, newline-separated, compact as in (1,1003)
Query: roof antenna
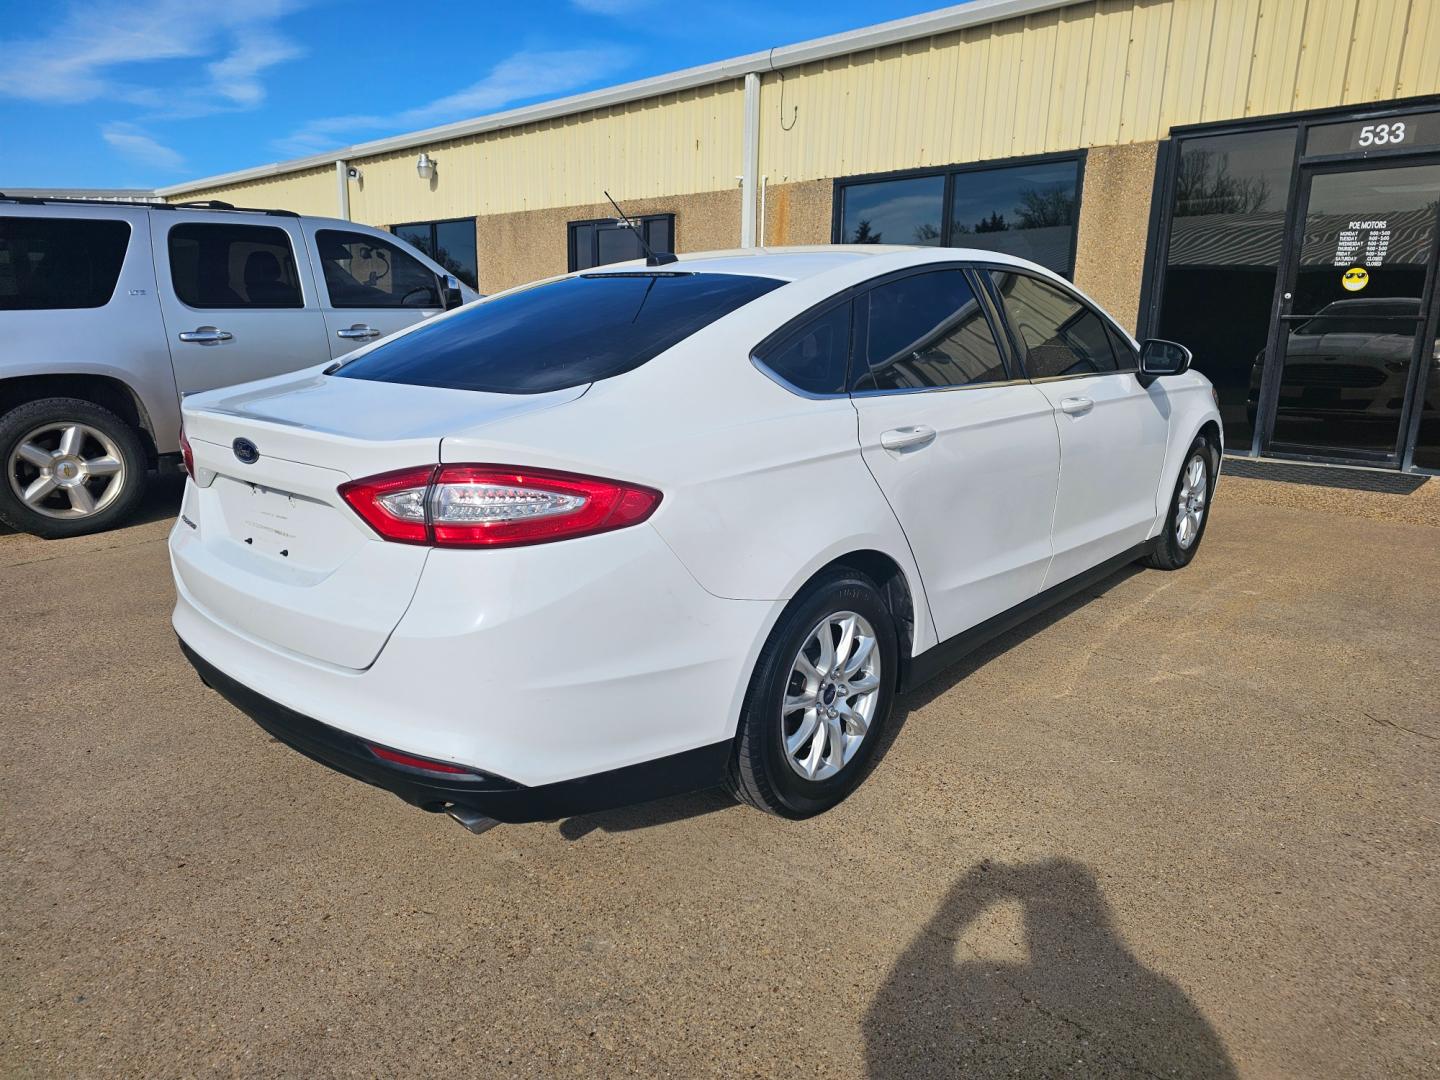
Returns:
(651,259)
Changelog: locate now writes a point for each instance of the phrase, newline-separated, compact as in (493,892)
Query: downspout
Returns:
(342,188)
(751,160)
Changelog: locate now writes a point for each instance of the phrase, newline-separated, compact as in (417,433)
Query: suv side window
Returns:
(233,266)
(1061,335)
(813,356)
(50,263)
(927,330)
(363,271)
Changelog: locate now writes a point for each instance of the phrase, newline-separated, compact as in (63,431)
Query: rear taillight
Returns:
(187,454)
(410,761)
(494,505)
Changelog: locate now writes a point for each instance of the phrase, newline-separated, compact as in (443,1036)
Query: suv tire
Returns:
(781,765)
(95,468)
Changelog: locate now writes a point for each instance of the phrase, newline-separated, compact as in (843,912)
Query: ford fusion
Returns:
(652,528)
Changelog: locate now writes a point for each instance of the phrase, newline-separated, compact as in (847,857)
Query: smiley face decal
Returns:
(1355,279)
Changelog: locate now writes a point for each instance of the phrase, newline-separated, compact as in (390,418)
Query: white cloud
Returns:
(518,77)
(132,143)
(92,52)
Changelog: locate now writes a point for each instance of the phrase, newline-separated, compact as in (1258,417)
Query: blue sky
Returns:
(144,93)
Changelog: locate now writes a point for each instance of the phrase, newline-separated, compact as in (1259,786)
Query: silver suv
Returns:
(110,313)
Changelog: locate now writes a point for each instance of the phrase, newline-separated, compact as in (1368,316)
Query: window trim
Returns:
(435,243)
(570,227)
(1109,324)
(307,302)
(949,172)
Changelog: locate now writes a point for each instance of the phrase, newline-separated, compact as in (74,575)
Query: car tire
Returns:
(82,439)
(776,766)
(1188,511)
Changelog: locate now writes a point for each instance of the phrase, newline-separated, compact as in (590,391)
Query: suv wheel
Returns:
(821,692)
(71,467)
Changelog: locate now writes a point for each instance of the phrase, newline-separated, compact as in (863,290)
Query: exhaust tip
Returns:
(473,820)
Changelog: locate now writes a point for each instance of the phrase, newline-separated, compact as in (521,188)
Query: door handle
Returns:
(908,438)
(1076,405)
(360,331)
(205,335)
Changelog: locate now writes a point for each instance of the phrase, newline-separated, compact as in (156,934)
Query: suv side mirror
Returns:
(451,289)
(1158,357)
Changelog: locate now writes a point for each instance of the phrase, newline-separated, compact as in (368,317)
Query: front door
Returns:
(1355,322)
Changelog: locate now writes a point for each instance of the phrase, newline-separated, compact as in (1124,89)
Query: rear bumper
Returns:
(495,796)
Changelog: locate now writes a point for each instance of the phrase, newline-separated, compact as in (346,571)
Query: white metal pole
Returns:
(342,188)
(751,160)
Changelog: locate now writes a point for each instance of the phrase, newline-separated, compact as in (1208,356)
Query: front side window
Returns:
(600,243)
(561,334)
(449,243)
(927,330)
(363,271)
(813,357)
(1061,335)
(233,266)
(50,263)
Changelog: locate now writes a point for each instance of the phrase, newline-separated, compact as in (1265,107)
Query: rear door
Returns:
(1113,430)
(371,286)
(237,296)
(966,454)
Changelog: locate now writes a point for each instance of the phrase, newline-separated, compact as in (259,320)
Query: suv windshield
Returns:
(559,335)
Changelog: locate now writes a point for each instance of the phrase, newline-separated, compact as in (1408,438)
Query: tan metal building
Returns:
(1202,167)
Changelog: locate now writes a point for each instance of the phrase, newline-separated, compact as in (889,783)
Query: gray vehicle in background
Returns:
(110,313)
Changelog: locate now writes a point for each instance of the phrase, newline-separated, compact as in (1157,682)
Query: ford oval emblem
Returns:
(246,451)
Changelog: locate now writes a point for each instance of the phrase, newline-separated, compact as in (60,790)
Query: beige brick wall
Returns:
(1114,221)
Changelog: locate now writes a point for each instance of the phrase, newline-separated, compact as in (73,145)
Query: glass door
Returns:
(1356,312)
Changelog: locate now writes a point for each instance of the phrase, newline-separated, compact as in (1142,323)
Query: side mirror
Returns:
(1159,357)
(451,290)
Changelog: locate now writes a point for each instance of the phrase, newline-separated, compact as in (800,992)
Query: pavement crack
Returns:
(1400,727)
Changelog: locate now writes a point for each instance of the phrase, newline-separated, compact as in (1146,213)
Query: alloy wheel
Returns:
(66,470)
(1190,502)
(830,696)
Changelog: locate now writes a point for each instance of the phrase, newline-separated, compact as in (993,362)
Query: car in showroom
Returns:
(111,312)
(670,525)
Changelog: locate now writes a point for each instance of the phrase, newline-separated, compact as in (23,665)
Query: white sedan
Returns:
(645,529)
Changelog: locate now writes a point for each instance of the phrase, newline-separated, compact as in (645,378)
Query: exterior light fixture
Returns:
(425,166)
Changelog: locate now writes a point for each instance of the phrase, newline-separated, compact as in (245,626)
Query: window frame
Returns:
(306,300)
(978,283)
(571,226)
(393,241)
(949,172)
(1018,344)
(435,243)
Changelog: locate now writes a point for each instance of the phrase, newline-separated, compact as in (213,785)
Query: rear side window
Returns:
(1062,336)
(562,334)
(363,271)
(233,266)
(813,357)
(49,263)
(927,331)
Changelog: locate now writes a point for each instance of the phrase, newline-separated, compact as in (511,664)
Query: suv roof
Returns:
(209,204)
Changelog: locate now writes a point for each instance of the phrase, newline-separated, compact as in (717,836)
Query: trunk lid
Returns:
(269,548)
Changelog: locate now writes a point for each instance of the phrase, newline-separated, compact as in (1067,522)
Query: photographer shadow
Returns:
(1079,1004)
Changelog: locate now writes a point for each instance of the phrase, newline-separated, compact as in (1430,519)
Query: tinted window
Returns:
(927,330)
(449,243)
(1024,210)
(598,243)
(233,266)
(565,333)
(1061,335)
(1125,353)
(48,263)
(813,357)
(893,211)
(363,271)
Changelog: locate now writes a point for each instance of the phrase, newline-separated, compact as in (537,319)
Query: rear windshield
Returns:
(558,335)
(48,263)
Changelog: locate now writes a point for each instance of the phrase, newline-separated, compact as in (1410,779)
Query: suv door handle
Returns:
(359,330)
(1076,405)
(908,438)
(206,335)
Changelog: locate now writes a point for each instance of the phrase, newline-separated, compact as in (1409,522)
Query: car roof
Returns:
(798,263)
